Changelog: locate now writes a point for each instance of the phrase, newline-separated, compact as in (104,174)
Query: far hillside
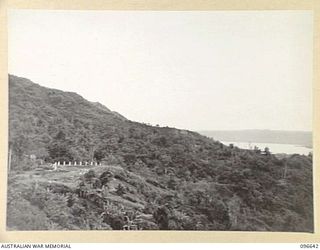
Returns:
(301,138)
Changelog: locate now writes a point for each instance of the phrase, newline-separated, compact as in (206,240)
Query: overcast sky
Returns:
(194,70)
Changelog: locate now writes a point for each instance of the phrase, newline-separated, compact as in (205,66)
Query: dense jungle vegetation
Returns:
(151,178)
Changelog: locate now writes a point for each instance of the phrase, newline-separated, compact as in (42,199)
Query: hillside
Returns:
(301,138)
(150,178)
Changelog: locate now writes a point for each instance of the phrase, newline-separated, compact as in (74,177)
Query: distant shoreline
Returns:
(255,142)
(275,148)
(299,138)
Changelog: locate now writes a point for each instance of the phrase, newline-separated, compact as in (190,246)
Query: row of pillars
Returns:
(85,163)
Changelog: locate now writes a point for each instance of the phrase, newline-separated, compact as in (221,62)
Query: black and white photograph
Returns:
(160,120)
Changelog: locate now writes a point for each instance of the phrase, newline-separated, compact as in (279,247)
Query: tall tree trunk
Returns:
(9,160)
(285,170)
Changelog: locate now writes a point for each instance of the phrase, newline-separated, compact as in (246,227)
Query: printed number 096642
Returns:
(309,246)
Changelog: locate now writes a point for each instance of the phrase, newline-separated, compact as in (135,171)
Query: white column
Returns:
(70,163)
(75,163)
(91,163)
(64,163)
(80,163)
(58,163)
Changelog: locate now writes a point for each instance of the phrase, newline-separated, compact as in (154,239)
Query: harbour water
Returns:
(274,148)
